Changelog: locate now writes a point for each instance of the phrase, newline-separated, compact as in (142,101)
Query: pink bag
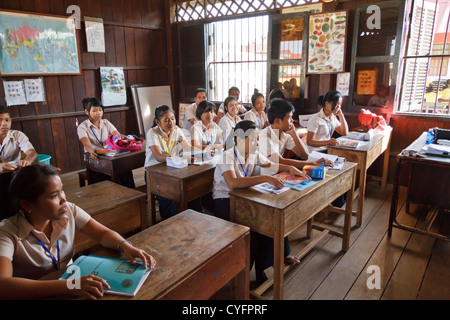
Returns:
(131,143)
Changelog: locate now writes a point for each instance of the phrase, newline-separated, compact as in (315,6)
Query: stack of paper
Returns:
(437,149)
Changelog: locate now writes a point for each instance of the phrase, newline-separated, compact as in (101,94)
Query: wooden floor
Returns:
(410,266)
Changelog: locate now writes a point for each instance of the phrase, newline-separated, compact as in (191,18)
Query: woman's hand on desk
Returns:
(91,287)
(332,142)
(328,163)
(295,172)
(131,253)
(276,182)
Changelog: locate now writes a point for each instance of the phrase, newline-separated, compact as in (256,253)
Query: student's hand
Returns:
(337,111)
(5,167)
(91,287)
(24,163)
(93,154)
(276,182)
(131,253)
(295,172)
(328,163)
(332,142)
(292,131)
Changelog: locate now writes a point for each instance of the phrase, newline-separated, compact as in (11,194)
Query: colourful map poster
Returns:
(37,44)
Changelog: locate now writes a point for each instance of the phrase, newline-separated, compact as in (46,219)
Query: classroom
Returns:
(225,150)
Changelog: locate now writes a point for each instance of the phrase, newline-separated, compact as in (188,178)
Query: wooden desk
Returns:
(428,185)
(196,255)
(276,216)
(364,157)
(115,166)
(180,185)
(119,208)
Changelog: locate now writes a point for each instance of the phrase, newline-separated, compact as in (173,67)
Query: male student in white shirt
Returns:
(189,116)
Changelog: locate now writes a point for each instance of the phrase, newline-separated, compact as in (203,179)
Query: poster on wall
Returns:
(95,34)
(326,47)
(32,44)
(367,82)
(14,93)
(343,83)
(34,89)
(113,86)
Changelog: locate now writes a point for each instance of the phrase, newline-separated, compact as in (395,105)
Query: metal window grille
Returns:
(426,76)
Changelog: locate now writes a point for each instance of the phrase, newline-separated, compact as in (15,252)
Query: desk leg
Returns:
(348,215)
(242,280)
(394,200)
(387,154)
(362,192)
(278,259)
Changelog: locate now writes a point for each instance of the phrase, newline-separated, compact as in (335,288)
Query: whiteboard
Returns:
(146,99)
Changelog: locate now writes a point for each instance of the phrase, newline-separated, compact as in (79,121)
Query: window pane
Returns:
(290,35)
(377,42)
(373,85)
(238,57)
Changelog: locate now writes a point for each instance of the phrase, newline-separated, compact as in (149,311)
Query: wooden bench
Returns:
(118,208)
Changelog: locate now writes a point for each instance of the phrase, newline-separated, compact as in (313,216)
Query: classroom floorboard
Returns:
(412,266)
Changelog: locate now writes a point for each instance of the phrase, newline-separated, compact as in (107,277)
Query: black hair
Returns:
(278,109)
(28,183)
(203,107)
(3,110)
(227,101)
(160,111)
(256,95)
(330,97)
(233,89)
(242,130)
(199,90)
(276,93)
(88,103)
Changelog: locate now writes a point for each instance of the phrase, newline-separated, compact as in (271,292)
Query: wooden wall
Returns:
(135,36)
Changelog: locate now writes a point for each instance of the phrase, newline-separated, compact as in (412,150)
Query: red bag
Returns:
(131,143)
(370,120)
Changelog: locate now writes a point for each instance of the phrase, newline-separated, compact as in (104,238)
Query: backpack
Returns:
(130,143)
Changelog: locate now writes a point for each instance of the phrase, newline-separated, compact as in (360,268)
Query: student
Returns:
(280,135)
(322,125)
(235,171)
(93,134)
(231,118)
(206,134)
(190,117)
(258,114)
(165,139)
(277,93)
(232,92)
(12,143)
(39,239)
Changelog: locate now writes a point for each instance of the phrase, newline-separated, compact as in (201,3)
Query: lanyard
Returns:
(168,150)
(330,128)
(242,167)
(101,135)
(55,264)
(206,137)
(1,151)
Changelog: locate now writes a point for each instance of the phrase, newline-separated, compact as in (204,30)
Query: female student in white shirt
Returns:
(39,239)
(235,171)
(322,125)
(257,114)
(231,118)
(93,134)
(206,134)
(165,139)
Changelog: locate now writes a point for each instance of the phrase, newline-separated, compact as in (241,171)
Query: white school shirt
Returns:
(229,162)
(14,142)
(259,119)
(96,136)
(322,126)
(28,257)
(157,137)
(227,124)
(211,135)
(271,146)
(190,114)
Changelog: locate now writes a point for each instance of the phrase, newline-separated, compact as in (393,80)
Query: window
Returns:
(426,76)
(237,56)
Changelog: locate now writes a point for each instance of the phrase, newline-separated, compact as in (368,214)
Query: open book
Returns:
(294,182)
(123,277)
(338,162)
(346,143)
